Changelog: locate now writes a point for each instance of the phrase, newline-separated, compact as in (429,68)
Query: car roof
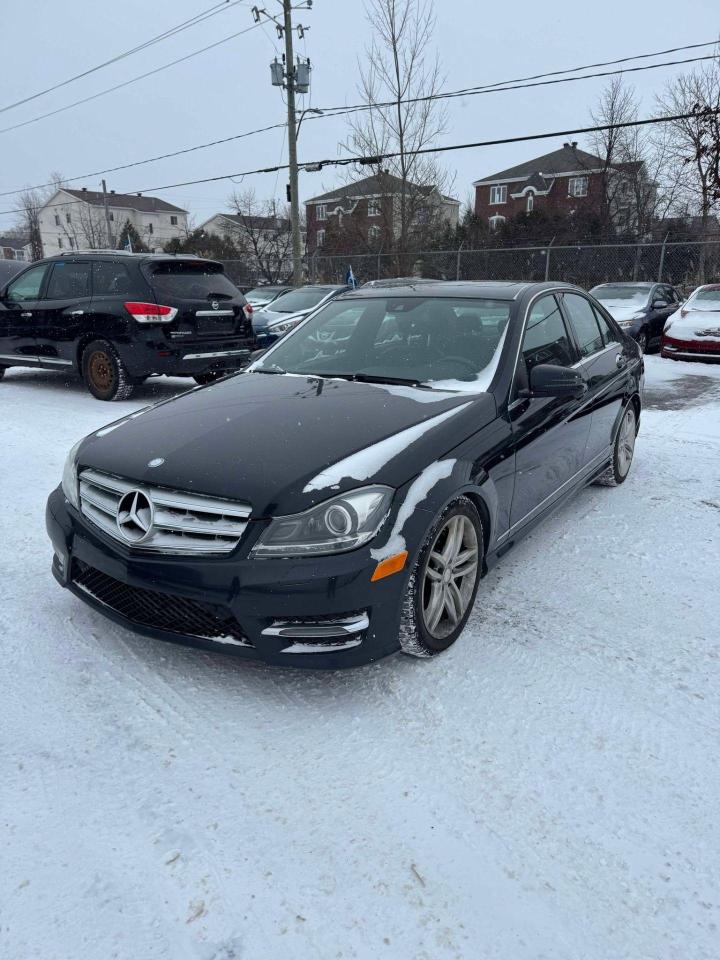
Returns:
(468,289)
(640,284)
(124,256)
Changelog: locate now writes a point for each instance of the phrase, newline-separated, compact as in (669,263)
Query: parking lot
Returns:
(548,788)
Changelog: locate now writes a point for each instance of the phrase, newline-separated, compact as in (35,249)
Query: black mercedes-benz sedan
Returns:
(342,498)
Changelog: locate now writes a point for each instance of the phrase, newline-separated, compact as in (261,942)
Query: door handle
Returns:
(76,313)
(26,313)
(620,360)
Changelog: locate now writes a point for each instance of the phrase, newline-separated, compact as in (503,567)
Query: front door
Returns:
(550,433)
(604,364)
(662,304)
(64,309)
(20,312)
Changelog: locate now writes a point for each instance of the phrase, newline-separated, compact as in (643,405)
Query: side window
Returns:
(584,324)
(28,286)
(69,281)
(111,280)
(546,339)
(608,334)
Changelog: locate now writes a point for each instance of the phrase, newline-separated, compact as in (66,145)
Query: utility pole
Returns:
(294,78)
(110,243)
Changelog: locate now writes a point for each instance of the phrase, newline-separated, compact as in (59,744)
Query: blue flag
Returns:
(350,278)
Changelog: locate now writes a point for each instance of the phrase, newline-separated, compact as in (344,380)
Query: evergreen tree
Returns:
(129,233)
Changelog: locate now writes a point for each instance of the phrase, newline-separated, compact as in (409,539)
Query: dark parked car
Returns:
(261,297)
(388,472)
(8,268)
(641,309)
(117,318)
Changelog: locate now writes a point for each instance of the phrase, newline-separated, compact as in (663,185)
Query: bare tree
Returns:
(262,233)
(397,68)
(27,210)
(694,143)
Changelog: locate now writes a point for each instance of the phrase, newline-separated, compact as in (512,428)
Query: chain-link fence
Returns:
(684,264)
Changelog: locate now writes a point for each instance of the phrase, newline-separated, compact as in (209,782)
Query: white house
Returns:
(265,240)
(75,219)
(15,248)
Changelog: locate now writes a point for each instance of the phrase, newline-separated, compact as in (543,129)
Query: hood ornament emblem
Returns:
(156,462)
(135,516)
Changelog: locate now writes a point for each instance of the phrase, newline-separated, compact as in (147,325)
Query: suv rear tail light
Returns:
(248,311)
(150,312)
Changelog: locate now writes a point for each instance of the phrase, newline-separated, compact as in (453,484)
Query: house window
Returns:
(57,219)
(19,254)
(173,221)
(111,217)
(60,242)
(320,240)
(71,241)
(321,211)
(530,203)
(498,194)
(373,234)
(578,187)
(496,221)
(150,228)
(374,208)
(68,217)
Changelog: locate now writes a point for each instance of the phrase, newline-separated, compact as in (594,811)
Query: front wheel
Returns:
(442,587)
(105,375)
(623,451)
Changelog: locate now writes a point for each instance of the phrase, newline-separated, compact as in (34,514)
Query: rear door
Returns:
(209,305)
(20,312)
(604,363)
(550,433)
(66,303)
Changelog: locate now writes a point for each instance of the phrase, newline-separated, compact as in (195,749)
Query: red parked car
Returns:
(693,331)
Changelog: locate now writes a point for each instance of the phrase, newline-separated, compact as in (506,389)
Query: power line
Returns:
(317,165)
(171,32)
(499,87)
(126,83)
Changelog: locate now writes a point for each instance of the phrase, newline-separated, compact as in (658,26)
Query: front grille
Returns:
(181,522)
(162,611)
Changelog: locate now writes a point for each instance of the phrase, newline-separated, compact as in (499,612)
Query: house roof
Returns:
(15,243)
(133,201)
(379,184)
(568,159)
(255,223)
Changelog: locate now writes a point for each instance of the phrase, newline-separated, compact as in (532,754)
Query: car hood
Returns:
(286,442)
(620,311)
(696,324)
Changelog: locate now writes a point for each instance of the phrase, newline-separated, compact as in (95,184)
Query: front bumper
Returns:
(708,350)
(186,359)
(320,612)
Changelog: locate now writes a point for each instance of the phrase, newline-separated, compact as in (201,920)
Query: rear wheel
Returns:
(105,375)
(623,451)
(443,584)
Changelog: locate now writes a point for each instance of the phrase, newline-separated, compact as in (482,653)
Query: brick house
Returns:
(365,215)
(567,181)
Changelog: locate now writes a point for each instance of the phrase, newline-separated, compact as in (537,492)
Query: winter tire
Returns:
(623,450)
(444,581)
(104,373)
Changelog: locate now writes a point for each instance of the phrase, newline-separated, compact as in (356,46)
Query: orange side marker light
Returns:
(386,568)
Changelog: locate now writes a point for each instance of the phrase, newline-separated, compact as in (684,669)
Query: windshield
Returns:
(707,299)
(628,295)
(448,343)
(191,281)
(302,299)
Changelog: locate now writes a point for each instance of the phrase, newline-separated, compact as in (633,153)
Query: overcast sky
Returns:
(227,90)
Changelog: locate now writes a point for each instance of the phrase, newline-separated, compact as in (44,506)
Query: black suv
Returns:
(117,318)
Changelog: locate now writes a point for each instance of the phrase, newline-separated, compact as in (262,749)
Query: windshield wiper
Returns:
(373,378)
(273,368)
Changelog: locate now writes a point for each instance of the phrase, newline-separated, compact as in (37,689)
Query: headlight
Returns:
(340,524)
(70,485)
(280,328)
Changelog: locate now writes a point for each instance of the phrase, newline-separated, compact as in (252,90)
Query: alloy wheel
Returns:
(449,577)
(626,442)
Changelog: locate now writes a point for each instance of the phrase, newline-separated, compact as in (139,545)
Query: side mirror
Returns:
(552,380)
(659,304)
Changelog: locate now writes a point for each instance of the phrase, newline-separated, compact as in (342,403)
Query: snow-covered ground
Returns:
(549,788)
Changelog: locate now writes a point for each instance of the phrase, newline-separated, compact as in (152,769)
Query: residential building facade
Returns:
(15,248)
(266,241)
(367,212)
(75,220)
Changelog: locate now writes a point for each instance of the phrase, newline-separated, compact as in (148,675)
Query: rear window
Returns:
(191,281)
(69,281)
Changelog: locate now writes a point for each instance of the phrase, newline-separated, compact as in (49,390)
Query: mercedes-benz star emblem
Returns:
(135,516)
(215,305)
